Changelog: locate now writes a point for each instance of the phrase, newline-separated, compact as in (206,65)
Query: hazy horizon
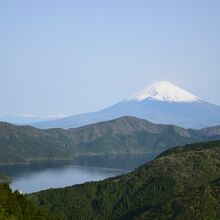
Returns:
(70,57)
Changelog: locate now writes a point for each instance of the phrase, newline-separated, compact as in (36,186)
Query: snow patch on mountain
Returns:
(164,91)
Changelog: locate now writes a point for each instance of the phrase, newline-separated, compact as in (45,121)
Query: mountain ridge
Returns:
(21,144)
(161,103)
(164,91)
(182,183)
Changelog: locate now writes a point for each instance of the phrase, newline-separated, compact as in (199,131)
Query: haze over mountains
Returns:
(161,102)
(28,118)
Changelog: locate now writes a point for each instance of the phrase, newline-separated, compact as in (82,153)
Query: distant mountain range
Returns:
(28,118)
(161,102)
(21,144)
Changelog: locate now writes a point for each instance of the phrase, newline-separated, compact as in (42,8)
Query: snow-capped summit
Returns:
(161,102)
(164,91)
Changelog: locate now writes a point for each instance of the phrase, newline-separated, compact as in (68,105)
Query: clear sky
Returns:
(67,57)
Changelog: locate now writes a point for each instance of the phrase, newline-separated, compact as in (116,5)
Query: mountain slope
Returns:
(123,135)
(182,183)
(161,102)
(164,91)
(15,206)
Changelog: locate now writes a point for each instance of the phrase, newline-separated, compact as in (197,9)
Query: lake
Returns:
(44,175)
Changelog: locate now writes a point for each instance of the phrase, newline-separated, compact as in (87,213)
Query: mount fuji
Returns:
(161,102)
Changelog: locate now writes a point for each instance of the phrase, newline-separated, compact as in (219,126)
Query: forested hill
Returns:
(182,183)
(15,206)
(20,144)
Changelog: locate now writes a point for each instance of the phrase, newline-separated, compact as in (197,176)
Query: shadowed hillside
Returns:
(182,183)
(21,144)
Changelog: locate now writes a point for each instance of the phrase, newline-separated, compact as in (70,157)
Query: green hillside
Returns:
(182,183)
(15,206)
(21,144)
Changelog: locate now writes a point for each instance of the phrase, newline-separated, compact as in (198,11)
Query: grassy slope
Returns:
(123,135)
(182,183)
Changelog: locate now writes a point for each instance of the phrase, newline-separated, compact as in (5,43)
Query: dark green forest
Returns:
(15,206)
(182,183)
(23,144)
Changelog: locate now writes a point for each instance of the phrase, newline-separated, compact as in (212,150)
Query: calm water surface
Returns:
(43,175)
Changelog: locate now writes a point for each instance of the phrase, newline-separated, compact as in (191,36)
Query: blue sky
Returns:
(67,57)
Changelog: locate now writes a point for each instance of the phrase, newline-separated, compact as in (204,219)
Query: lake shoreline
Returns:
(30,161)
(40,175)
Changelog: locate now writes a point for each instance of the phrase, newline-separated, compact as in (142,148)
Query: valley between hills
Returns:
(182,183)
(110,110)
